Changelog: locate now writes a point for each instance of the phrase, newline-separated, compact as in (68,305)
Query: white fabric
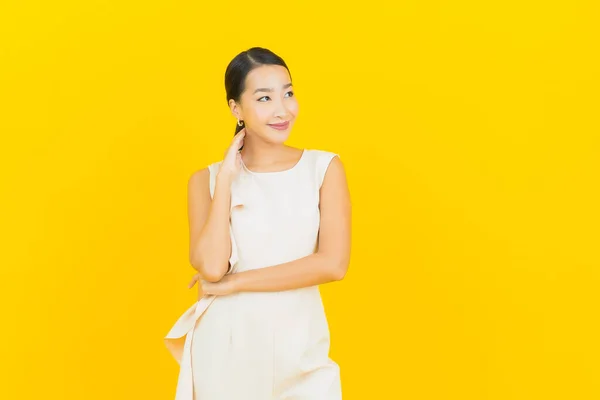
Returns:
(268,345)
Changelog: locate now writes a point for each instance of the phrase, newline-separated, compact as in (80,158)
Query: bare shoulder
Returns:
(335,172)
(335,183)
(199,178)
(335,169)
(199,186)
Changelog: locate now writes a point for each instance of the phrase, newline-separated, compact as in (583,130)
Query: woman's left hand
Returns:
(221,288)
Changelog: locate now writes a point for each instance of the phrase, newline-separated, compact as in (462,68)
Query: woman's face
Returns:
(267,106)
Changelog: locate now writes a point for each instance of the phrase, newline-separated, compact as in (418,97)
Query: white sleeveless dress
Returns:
(262,345)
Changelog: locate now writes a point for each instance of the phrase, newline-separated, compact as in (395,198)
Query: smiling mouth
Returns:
(280,126)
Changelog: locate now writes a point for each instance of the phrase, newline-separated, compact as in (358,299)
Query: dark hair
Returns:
(241,65)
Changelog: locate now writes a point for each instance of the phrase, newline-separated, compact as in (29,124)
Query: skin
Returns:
(265,151)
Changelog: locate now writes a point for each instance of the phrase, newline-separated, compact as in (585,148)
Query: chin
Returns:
(275,136)
(278,140)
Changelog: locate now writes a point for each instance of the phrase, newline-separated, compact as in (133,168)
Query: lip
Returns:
(280,127)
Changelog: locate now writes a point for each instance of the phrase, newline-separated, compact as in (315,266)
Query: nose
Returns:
(281,110)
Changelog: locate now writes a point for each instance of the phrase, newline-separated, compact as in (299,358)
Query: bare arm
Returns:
(332,258)
(210,242)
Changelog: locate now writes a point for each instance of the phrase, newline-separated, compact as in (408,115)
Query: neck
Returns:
(260,153)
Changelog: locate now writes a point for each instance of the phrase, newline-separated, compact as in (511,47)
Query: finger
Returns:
(193,281)
(240,135)
(206,287)
(237,142)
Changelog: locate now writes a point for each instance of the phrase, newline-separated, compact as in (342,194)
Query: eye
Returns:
(291,93)
(264,97)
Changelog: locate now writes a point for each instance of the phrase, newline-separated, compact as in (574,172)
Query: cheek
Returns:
(264,114)
(293,108)
(261,115)
(254,115)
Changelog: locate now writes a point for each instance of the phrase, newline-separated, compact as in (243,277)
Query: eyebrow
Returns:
(270,89)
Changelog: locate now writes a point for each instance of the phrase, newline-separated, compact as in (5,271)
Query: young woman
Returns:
(268,224)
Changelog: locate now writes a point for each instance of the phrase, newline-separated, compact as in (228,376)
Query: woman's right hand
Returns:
(232,163)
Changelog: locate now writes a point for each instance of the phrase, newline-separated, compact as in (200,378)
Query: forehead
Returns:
(267,76)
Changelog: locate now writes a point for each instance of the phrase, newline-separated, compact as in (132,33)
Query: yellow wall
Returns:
(471,138)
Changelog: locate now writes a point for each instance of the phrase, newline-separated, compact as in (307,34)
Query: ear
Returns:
(236,109)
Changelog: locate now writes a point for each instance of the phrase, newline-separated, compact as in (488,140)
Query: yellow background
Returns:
(470,133)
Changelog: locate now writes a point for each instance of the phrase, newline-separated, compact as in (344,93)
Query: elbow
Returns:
(339,269)
(212,276)
(209,272)
(195,262)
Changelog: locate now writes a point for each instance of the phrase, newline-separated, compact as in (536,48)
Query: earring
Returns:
(240,123)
